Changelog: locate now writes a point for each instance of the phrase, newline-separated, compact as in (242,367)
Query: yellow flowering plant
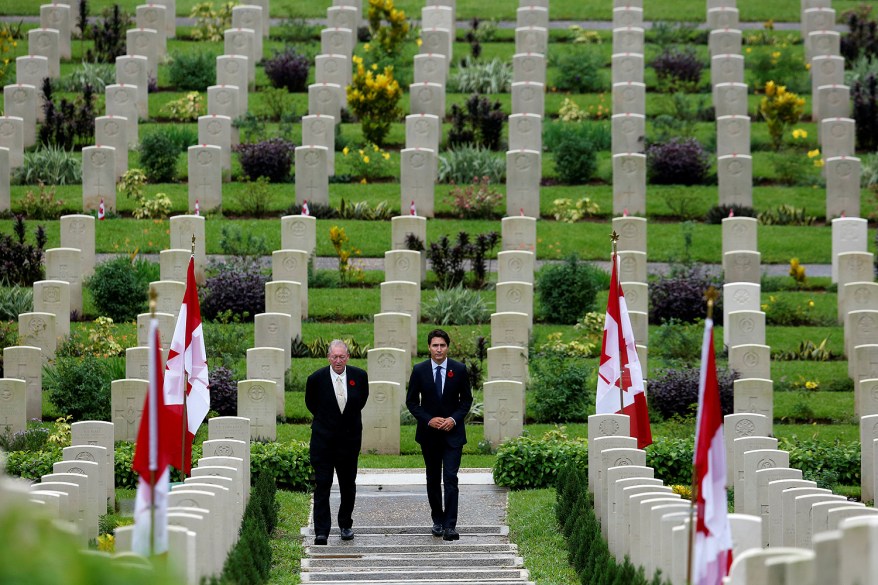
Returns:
(368,163)
(780,109)
(390,36)
(373,97)
(211,23)
(346,269)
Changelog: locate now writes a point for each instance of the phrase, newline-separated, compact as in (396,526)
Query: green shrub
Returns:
(527,462)
(192,70)
(117,291)
(494,76)
(567,291)
(30,439)
(575,146)
(288,463)
(562,389)
(672,460)
(14,301)
(33,464)
(80,387)
(676,340)
(456,306)
(818,459)
(580,71)
(50,165)
(463,163)
(158,157)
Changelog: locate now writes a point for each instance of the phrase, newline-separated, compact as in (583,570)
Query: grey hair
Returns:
(336,343)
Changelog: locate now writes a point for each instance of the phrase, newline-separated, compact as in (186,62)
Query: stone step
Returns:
(360,548)
(401,540)
(414,530)
(419,562)
(456,575)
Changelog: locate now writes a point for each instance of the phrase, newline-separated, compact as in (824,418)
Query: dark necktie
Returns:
(438,381)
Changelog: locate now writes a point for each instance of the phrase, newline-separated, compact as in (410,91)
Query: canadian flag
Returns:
(186,381)
(197,208)
(102,212)
(305,210)
(713,534)
(619,373)
(158,439)
(412,210)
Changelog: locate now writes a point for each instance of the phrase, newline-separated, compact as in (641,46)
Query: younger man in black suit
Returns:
(439,397)
(336,395)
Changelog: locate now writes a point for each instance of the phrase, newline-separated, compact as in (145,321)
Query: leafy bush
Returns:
(818,458)
(456,306)
(31,439)
(861,40)
(158,157)
(210,23)
(680,296)
(494,76)
(784,64)
(666,32)
(108,34)
(675,391)
(242,293)
(368,163)
(678,69)
(97,75)
(575,145)
(15,301)
(270,158)
(567,291)
(223,391)
(192,70)
(80,387)
(479,123)
(561,389)
(864,94)
(288,463)
(362,211)
(186,109)
(33,464)
(717,213)
(786,215)
(181,135)
(42,205)
(117,291)
(288,69)
(528,462)
(374,99)
(68,123)
(681,161)
(675,340)
(388,37)
(50,165)
(465,162)
(478,200)
(672,459)
(254,198)
(21,263)
(448,260)
(228,339)
(567,211)
(579,71)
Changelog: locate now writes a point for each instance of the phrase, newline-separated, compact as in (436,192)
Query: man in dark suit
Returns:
(336,395)
(439,396)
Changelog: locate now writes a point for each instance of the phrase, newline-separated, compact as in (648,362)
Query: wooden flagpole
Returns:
(614,237)
(153,296)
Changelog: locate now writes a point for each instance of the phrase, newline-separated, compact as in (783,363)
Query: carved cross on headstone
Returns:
(128,413)
(203,185)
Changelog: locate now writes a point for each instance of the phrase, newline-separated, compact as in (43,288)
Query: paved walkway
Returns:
(393,543)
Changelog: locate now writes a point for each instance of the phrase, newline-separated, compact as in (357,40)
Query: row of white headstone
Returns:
(776,511)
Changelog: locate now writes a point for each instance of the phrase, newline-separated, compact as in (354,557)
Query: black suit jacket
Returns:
(332,428)
(424,403)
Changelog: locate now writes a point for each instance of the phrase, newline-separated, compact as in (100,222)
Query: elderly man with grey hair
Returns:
(335,395)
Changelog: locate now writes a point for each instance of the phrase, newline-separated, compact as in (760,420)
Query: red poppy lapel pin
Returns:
(450,374)
(352,383)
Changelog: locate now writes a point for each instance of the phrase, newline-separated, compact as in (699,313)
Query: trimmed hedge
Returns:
(528,462)
(288,464)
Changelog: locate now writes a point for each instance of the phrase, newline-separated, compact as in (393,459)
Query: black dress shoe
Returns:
(437,530)
(321,539)
(451,534)
(347,534)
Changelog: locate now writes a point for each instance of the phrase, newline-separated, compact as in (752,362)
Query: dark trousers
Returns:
(442,463)
(344,463)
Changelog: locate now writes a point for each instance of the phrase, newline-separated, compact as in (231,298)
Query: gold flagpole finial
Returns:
(193,244)
(614,237)
(153,301)
(711,295)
